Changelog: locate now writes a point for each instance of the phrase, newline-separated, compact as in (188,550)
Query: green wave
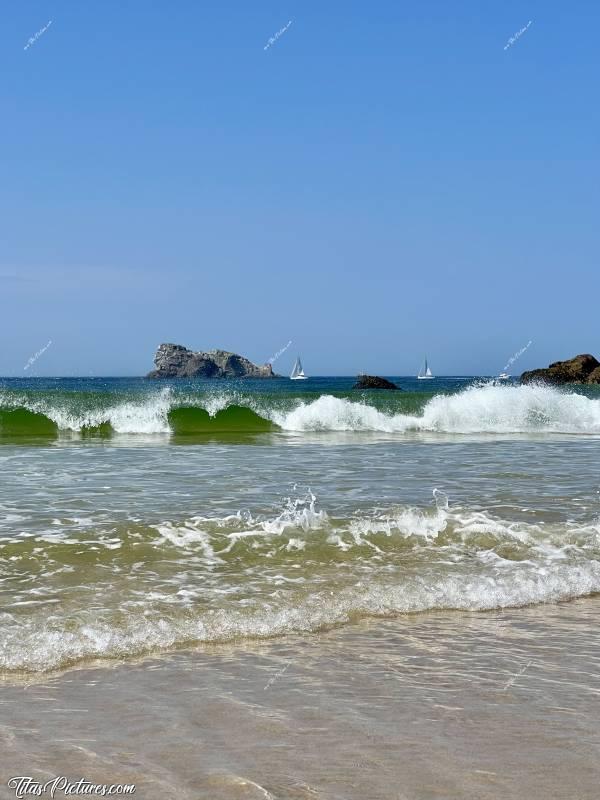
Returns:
(50,414)
(234,419)
(22,422)
(183,421)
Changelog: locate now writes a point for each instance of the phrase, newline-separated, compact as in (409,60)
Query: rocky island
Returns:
(374,382)
(580,369)
(176,361)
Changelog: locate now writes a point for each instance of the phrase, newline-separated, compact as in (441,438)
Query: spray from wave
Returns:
(478,409)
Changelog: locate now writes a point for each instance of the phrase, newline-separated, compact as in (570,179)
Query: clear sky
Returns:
(385,180)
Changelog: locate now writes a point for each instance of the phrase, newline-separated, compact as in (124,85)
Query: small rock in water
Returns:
(374,382)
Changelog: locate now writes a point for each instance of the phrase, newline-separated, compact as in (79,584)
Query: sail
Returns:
(297,369)
(425,372)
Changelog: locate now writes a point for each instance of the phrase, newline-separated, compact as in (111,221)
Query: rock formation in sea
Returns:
(176,361)
(374,382)
(580,369)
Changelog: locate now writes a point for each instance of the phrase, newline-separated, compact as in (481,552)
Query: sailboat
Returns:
(425,373)
(298,372)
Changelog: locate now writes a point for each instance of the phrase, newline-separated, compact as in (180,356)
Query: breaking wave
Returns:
(478,409)
(219,579)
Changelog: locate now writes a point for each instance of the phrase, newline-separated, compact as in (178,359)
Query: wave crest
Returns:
(479,409)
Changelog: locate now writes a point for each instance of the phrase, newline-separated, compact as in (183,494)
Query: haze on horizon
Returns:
(375,185)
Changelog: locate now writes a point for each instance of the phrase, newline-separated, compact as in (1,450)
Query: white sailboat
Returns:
(504,376)
(425,373)
(297,371)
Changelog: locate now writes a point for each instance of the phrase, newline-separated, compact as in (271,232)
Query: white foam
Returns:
(512,409)
(35,646)
(478,409)
(405,522)
(409,559)
(298,514)
(146,416)
(186,535)
(291,572)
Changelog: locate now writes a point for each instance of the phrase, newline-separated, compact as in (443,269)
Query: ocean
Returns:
(243,541)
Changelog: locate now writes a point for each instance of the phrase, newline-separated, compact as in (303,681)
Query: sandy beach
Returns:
(442,705)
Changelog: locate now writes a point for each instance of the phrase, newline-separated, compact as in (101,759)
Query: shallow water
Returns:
(486,705)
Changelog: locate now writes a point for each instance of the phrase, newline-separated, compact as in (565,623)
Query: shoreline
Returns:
(437,705)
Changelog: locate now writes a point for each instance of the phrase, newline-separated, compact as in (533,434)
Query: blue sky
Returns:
(384,181)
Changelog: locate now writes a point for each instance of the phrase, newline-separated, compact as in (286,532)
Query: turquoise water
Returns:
(138,516)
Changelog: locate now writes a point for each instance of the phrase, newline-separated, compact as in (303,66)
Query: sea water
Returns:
(139,517)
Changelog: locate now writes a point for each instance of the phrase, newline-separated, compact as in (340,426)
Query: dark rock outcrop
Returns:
(594,376)
(374,382)
(581,369)
(176,361)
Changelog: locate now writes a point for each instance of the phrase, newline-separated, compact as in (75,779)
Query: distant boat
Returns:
(298,372)
(504,376)
(425,373)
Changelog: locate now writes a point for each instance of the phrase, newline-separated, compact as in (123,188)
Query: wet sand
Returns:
(440,705)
